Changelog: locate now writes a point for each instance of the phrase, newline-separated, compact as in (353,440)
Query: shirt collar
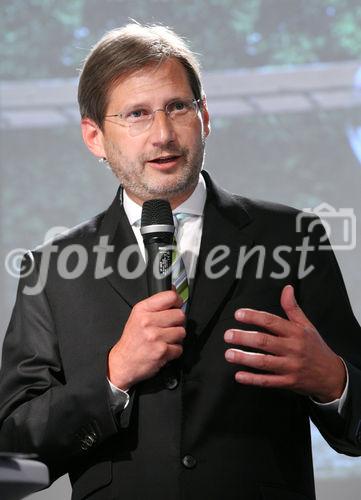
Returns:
(194,205)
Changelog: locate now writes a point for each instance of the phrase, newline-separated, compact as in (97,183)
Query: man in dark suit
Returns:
(202,397)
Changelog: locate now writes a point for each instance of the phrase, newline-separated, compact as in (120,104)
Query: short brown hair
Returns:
(126,49)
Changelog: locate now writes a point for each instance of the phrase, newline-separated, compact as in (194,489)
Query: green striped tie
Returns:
(179,275)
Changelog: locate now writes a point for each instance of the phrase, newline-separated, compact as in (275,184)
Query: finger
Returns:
(174,351)
(271,322)
(291,308)
(173,335)
(167,318)
(162,301)
(257,340)
(265,362)
(262,380)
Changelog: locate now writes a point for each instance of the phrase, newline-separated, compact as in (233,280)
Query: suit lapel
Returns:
(117,232)
(224,228)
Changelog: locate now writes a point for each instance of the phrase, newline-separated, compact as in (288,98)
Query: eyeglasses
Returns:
(138,120)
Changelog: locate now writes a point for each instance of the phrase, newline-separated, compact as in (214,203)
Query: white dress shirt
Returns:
(188,230)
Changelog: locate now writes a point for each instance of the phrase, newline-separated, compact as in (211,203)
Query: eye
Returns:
(136,115)
(177,106)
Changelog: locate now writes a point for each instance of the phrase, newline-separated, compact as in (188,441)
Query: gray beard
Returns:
(130,175)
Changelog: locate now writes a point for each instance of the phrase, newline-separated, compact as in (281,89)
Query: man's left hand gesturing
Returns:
(294,353)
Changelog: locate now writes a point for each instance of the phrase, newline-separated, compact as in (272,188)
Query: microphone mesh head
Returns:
(156,212)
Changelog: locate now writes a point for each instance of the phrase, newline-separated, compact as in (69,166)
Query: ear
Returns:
(93,137)
(205,116)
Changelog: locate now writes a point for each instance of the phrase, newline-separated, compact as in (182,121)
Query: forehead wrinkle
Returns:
(150,82)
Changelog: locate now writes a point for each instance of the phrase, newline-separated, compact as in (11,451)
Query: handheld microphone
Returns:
(157,229)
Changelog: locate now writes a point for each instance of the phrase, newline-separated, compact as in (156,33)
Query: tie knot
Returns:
(181,216)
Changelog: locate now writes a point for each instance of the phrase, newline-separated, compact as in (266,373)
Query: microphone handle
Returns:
(159,276)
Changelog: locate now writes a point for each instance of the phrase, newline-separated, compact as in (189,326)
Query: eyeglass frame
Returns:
(197,102)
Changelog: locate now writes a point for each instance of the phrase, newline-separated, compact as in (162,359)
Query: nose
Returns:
(161,131)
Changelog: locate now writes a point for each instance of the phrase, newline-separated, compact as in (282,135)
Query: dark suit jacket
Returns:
(191,432)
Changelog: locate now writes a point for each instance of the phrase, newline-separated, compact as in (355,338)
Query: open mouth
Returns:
(165,159)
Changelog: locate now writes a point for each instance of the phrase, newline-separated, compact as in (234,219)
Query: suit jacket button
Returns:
(171,382)
(189,461)
(89,440)
(93,436)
